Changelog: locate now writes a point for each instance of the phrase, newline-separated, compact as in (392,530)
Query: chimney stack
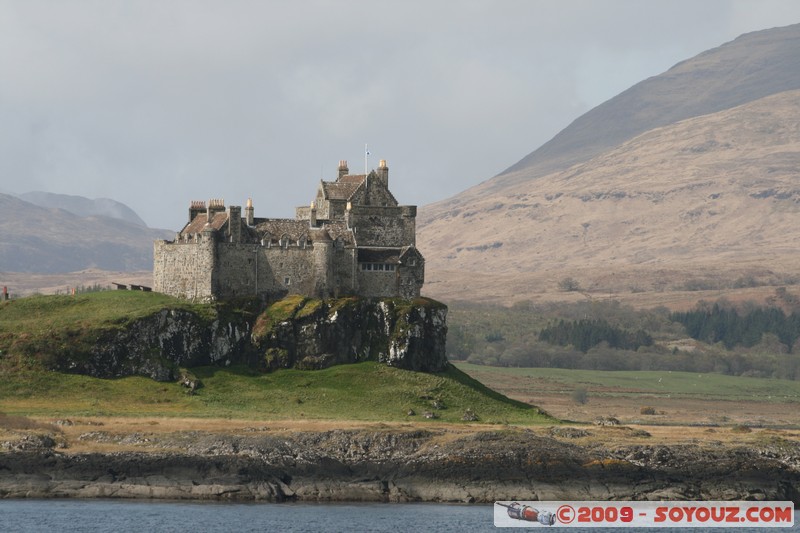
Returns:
(313,215)
(343,170)
(383,173)
(248,212)
(195,208)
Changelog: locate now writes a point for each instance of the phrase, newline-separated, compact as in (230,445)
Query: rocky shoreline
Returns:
(395,465)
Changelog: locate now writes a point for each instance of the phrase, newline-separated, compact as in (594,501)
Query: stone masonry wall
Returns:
(183,269)
(376,283)
(383,226)
(280,270)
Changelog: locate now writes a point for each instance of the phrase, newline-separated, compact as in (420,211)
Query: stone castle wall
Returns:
(197,271)
(384,226)
(184,269)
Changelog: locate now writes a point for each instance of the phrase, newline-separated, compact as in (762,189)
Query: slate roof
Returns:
(277,227)
(199,223)
(344,187)
(339,230)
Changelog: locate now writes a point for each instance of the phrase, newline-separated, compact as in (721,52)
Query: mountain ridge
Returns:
(706,202)
(35,239)
(726,76)
(82,206)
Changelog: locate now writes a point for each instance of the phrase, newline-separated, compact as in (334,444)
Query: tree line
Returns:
(733,328)
(585,334)
(735,340)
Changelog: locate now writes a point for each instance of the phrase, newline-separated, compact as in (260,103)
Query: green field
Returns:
(656,383)
(365,391)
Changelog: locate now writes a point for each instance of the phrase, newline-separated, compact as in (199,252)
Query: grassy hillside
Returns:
(40,315)
(365,391)
(368,391)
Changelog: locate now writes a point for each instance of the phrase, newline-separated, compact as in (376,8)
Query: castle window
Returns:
(287,281)
(378,267)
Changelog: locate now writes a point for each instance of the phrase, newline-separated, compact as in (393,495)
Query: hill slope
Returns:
(84,207)
(748,68)
(686,180)
(704,200)
(36,239)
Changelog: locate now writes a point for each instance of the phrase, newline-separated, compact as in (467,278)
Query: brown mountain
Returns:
(636,197)
(750,67)
(48,240)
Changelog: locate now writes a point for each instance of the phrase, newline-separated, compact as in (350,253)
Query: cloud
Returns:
(157,103)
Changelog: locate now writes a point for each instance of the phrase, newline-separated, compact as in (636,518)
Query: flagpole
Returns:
(366,155)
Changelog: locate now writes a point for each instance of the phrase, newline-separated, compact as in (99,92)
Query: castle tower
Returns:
(323,264)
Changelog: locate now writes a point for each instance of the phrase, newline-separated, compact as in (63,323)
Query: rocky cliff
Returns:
(312,334)
(295,332)
(396,465)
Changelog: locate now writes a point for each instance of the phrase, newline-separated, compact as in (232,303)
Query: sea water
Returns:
(72,516)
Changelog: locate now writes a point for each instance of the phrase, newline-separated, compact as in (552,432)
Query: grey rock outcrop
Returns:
(158,344)
(292,333)
(318,334)
(398,466)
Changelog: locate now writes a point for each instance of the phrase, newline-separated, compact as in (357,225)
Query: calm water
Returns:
(70,516)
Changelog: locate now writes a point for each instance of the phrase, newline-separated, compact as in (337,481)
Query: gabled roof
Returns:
(198,224)
(342,189)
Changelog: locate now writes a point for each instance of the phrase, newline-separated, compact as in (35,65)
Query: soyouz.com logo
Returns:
(643,514)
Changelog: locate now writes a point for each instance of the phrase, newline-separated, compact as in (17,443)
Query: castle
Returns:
(354,239)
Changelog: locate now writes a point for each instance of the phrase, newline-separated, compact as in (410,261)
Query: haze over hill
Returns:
(48,240)
(84,207)
(686,180)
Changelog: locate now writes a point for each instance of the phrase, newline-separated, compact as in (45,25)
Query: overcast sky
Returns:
(156,103)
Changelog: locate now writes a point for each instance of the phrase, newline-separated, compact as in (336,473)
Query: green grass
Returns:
(364,392)
(659,383)
(36,315)
(33,327)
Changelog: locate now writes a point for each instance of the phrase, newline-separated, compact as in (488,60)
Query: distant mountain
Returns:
(686,180)
(51,240)
(84,207)
(750,67)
